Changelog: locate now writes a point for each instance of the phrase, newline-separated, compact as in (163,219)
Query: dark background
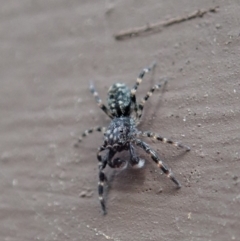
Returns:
(50,50)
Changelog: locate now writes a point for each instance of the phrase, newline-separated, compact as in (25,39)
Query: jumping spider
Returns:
(122,133)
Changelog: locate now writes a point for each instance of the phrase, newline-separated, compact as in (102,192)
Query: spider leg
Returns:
(89,131)
(102,178)
(157,160)
(135,161)
(99,101)
(102,162)
(147,96)
(155,136)
(138,82)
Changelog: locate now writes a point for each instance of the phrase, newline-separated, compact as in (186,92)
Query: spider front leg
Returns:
(147,96)
(157,160)
(138,82)
(99,101)
(155,136)
(102,162)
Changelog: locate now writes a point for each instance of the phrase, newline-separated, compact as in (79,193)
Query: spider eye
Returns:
(121,130)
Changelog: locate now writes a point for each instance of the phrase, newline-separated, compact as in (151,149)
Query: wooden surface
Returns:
(50,50)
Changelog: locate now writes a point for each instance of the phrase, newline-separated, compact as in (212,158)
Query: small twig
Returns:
(98,232)
(156,27)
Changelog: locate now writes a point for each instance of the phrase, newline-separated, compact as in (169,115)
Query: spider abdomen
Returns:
(119,99)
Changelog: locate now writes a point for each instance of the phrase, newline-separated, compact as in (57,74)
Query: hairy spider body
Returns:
(122,133)
(119,100)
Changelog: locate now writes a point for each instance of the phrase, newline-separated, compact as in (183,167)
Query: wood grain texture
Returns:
(50,51)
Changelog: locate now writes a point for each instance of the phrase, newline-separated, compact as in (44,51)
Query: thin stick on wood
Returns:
(156,27)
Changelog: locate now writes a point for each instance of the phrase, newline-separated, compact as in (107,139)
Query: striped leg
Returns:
(99,101)
(89,131)
(159,163)
(155,136)
(149,94)
(138,82)
(102,178)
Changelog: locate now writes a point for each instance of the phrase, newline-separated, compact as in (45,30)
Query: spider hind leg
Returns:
(147,96)
(99,101)
(138,82)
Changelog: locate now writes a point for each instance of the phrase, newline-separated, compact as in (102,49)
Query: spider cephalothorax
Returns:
(122,133)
